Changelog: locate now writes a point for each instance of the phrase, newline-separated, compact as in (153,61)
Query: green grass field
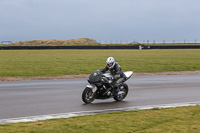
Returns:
(21,63)
(171,120)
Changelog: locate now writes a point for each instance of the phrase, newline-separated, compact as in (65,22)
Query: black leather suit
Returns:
(117,74)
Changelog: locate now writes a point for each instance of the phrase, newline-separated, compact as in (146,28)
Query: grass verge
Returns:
(22,63)
(170,120)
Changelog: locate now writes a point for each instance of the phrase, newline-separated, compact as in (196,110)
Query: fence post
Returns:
(134,42)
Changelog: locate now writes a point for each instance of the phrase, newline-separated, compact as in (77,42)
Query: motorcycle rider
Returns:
(115,71)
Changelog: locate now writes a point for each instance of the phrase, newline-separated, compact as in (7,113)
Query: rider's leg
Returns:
(116,85)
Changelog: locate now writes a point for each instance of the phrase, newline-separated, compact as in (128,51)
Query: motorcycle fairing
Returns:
(128,74)
(93,87)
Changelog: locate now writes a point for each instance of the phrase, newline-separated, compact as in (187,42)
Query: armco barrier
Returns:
(171,47)
(68,47)
(103,47)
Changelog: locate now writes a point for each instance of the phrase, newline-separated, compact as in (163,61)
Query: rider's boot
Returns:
(117,91)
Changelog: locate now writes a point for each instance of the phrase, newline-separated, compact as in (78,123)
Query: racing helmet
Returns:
(110,62)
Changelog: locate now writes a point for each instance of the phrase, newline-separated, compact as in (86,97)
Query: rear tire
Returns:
(88,96)
(123,92)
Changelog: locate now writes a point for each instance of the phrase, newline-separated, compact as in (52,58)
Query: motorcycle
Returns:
(100,87)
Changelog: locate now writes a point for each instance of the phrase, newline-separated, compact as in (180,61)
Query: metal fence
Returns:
(150,42)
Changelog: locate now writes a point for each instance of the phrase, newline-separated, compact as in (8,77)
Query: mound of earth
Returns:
(80,41)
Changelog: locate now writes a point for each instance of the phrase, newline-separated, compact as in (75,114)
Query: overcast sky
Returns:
(101,20)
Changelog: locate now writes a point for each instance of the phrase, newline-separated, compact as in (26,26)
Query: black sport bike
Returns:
(100,87)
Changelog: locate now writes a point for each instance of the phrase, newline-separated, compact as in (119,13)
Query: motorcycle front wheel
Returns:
(88,96)
(122,93)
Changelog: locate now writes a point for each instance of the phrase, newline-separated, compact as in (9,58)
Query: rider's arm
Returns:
(119,72)
(104,69)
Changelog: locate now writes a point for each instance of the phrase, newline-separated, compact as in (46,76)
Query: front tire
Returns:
(88,96)
(123,92)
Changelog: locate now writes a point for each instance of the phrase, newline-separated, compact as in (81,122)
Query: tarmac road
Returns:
(33,98)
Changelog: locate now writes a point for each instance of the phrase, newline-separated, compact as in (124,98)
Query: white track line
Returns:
(81,113)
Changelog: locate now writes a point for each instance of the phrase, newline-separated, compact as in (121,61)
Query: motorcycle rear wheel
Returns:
(88,96)
(123,92)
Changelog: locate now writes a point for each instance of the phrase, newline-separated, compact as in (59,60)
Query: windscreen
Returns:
(95,76)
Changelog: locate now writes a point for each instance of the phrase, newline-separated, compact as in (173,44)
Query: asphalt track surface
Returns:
(43,97)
